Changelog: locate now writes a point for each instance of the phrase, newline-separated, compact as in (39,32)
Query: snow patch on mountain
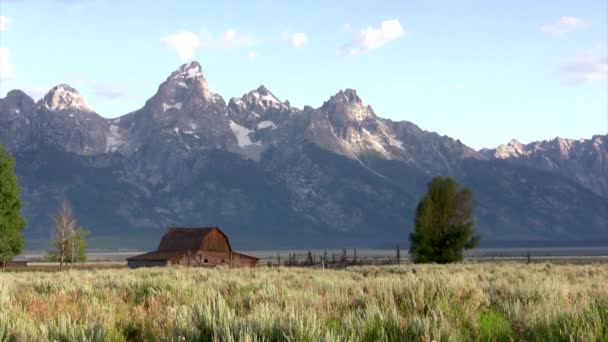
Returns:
(242,135)
(266,124)
(113,139)
(270,98)
(177,106)
(189,70)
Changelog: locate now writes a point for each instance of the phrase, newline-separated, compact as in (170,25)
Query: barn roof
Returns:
(164,256)
(157,255)
(245,256)
(184,239)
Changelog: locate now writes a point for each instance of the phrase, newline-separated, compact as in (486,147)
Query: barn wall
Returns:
(239,260)
(215,241)
(202,259)
(209,259)
(146,263)
(13,264)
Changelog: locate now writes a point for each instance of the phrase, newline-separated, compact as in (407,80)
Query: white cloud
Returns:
(563,25)
(183,42)
(252,56)
(6,68)
(585,69)
(297,40)
(4,22)
(374,37)
(231,38)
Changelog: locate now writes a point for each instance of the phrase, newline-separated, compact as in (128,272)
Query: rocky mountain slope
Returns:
(275,176)
(584,161)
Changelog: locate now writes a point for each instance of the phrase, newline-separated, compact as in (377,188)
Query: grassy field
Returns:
(463,302)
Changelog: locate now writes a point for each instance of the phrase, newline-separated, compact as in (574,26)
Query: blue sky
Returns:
(484,72)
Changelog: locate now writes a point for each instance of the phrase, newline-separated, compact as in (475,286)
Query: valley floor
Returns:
(461,302)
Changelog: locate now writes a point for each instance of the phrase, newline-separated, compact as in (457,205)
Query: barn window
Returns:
(205,261)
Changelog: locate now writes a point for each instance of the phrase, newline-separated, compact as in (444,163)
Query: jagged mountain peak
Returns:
(64,97)
(19,95)
(188,78)
(259,99)
(346,96)
(514,142)
(16,105)
(347,106)
(262,89)
(262,96)
(513,148)
(188,70)
(16,100)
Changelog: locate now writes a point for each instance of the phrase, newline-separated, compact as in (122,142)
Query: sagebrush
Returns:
(461,302)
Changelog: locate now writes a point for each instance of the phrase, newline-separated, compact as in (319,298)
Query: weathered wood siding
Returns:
(216,241)
(14,264)
(146,263)
(240,260)
(203,258)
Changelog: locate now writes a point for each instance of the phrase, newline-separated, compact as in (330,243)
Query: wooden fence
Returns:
(348,257)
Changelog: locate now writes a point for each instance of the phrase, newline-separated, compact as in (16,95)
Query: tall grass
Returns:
(463,302)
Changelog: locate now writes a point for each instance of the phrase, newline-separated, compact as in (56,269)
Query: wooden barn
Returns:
(17,262)
(193,247)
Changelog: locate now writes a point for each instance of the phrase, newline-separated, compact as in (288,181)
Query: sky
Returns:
(484,72)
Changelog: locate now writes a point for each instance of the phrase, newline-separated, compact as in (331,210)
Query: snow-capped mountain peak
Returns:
(189,77)
(262,97)
(62,97)
(188,70)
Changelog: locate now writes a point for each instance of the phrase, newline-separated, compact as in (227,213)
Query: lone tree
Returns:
(12,222)
(69,240)
(444,224)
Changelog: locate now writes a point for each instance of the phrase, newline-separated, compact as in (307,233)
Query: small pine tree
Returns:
(12,222)
(444,224)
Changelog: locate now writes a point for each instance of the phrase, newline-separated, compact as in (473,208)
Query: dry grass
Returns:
(462,302)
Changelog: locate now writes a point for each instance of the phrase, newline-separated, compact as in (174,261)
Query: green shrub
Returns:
(494,327)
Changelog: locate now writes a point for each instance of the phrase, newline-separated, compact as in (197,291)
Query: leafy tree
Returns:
(69,240)
(12,222)
(444,224)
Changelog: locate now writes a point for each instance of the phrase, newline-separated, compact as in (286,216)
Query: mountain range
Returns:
(275,176)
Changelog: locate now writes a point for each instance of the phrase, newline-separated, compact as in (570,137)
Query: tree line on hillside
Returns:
(444,225)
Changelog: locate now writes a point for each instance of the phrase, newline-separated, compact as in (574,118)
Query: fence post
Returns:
(344,257)
(309,259)
(398,255)
(355,256)
(278,259)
